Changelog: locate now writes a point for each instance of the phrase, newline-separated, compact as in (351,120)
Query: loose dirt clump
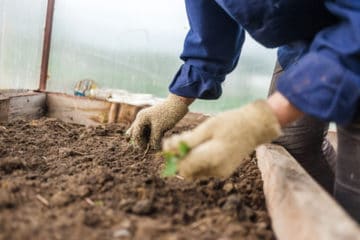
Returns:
(66,181)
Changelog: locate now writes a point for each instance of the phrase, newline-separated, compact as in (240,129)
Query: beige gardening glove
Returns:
(151,123)
(219,144)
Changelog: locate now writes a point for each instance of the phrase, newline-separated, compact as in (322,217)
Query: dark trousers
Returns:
(305,141)
(347,173)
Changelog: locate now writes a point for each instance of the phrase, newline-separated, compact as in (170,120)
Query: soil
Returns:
(66,181)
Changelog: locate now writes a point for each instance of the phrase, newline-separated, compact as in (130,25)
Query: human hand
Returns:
(219,144)
(151,123)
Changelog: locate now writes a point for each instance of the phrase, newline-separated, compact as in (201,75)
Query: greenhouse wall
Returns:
(132,45)
(135,45)
(21,35)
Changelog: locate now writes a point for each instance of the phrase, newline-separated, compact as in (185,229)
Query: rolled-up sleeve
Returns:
(211,51)
(325,82)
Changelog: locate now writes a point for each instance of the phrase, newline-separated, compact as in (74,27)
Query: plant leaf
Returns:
(172,159)
(170,165)
(184,149)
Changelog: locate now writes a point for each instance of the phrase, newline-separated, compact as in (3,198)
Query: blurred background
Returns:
(132,45)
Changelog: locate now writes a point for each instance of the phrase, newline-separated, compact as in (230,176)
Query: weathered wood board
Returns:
(78,110)
(299,208)
(87,111)
(4,109)
(81,110)
(28,105)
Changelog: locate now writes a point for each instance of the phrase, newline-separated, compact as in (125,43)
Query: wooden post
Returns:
(113,112)
(298,206)
(46,45)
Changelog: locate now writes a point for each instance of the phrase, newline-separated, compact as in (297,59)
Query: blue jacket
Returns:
(319,48)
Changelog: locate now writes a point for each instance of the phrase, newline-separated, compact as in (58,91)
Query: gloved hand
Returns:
(151,123)
(219,144)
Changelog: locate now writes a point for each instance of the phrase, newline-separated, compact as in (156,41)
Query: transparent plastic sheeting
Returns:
(135,45)
(21,37)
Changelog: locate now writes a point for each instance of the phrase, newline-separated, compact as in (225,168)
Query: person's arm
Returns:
(187,101)
(284,111)
(211,51)
(151,123)
(219,144)
(325,82)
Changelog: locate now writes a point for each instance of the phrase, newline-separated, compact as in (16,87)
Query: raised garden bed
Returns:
(67,181)
(67,172)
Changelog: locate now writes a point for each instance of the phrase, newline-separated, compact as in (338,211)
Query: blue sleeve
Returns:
(211,51)
(325,82)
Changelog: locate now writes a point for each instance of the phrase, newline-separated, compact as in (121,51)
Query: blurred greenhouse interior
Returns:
(132,45)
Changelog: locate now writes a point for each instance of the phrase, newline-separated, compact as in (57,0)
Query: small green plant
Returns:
(172,159)
(99,203)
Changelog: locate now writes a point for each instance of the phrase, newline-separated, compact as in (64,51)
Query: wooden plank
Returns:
(332,138)
(299,207)
(20,104)
(113,112)
(127,113)
(27,106)
(4,109)
(6,93)
(194,118)
(80,110)
(88,111)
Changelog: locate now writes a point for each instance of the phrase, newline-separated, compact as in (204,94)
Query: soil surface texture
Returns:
(67,181)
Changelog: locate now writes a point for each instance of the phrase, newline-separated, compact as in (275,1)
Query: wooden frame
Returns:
(299,208)
(21,105)
(87,111)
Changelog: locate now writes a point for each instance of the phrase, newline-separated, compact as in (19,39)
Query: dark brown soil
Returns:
(66,181)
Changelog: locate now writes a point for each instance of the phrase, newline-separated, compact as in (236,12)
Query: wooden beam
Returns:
(88,111)
(46,44)
(298,206)
(332,138)
(113,112)
(27,106)
(80,110)
(127,113)
(194,118)
(4,109)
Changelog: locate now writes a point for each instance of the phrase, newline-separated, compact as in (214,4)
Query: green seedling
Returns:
(99,203)
(172,159)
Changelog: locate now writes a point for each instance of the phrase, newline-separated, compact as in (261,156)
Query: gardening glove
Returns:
(151,123)
(219,145)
